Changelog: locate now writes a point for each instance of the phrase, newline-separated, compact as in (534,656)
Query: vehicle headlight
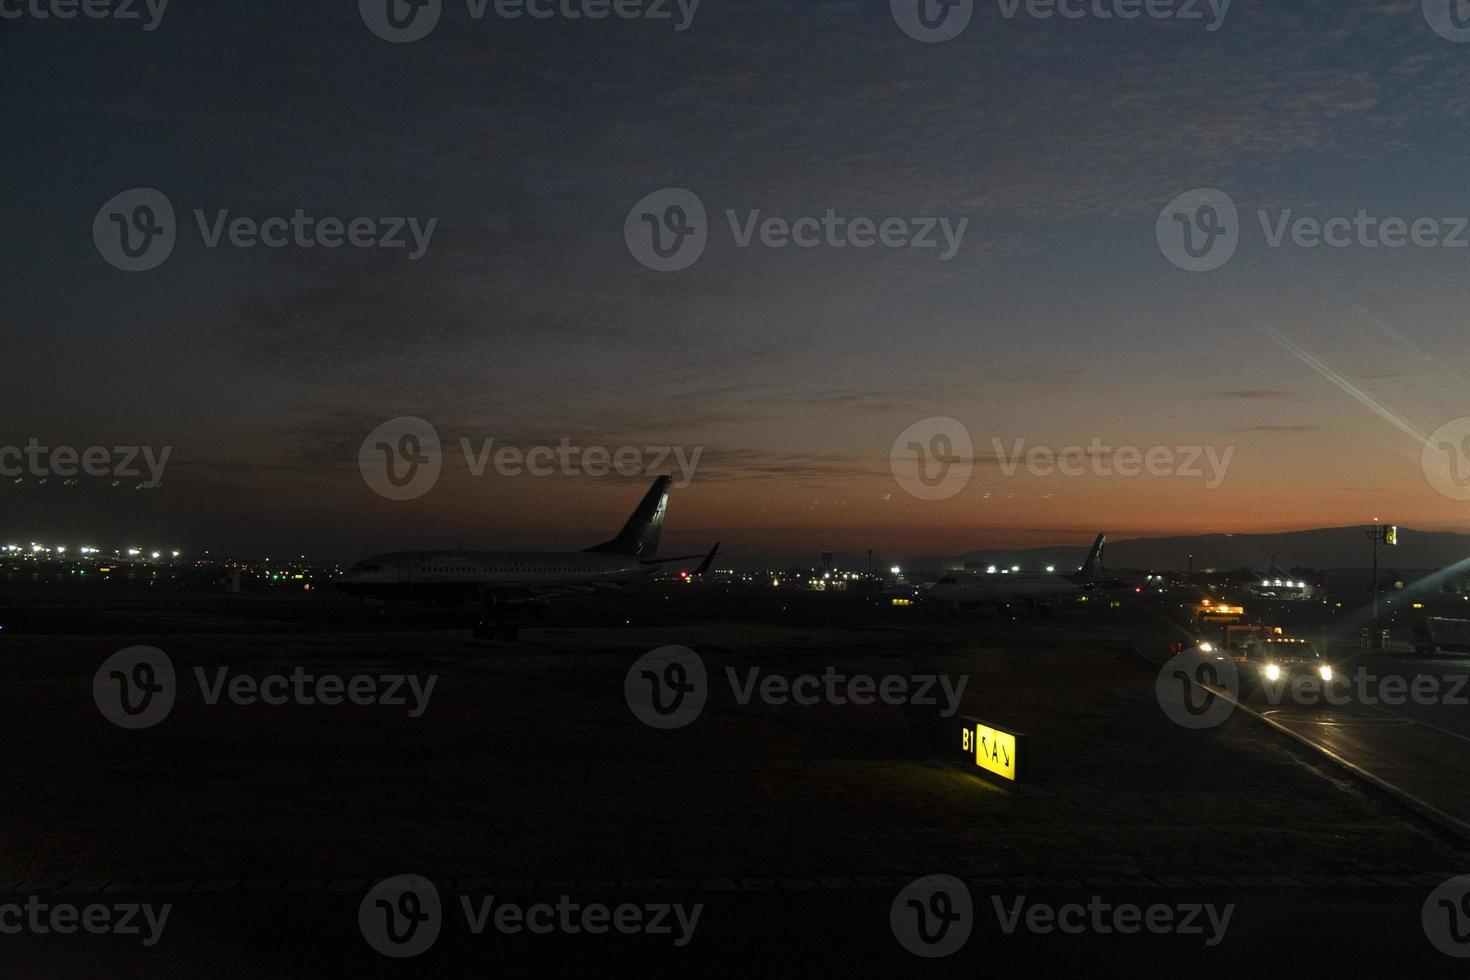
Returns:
(1273,672)
(1325,672)
(1207,648)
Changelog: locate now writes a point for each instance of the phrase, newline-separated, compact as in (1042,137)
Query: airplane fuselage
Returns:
(469,575)
(1001,588)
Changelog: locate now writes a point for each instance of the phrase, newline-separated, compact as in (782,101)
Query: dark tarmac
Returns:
(528,777)
(1401,721)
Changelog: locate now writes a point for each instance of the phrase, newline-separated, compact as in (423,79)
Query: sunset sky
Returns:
(528,319)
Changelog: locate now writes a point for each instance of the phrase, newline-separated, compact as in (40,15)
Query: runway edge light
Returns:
(991,750)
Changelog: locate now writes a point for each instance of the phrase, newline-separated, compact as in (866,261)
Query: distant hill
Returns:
(1332,547)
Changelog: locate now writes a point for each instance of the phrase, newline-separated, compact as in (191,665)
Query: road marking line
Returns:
(1426,809)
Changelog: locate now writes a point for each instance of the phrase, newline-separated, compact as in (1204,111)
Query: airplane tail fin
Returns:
(709,560)
(1093,564)
(639,537)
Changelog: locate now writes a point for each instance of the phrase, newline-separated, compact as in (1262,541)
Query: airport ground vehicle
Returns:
(1273,658)
(1438,633)
(1262,654)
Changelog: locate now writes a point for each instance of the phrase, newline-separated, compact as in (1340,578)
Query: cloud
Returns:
(1255,394)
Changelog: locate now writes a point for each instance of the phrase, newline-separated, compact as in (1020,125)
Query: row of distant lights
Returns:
(1267,583)
(60,549)
(1014,568)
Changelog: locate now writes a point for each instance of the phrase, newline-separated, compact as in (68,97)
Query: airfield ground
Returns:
(527,772)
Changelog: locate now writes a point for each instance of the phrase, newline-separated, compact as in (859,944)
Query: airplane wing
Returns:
(709,557)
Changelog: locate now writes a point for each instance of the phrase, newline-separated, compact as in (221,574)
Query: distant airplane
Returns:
(1030,589)
(506,580)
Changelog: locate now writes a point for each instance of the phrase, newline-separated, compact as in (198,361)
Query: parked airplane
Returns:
(507,580)
(1030,589)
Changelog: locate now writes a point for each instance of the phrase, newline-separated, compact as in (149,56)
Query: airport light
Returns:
(1388,535)
(1015,568)
(156,555)
(174,553)
(133,552)
(896,570)
(990,570)
(1051,568)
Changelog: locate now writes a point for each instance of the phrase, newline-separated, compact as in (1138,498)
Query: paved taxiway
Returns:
(1402,722)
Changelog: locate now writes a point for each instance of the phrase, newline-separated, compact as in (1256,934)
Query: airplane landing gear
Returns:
(493,625)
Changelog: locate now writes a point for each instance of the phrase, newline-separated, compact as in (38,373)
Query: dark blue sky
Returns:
(528,320)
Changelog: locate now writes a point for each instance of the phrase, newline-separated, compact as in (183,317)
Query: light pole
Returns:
(1389,535)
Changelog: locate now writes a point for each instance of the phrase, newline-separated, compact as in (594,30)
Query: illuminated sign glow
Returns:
(993,750)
